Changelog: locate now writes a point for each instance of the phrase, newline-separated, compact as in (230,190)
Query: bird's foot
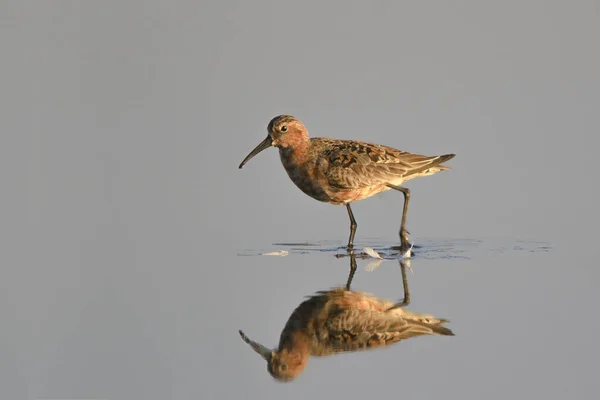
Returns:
(406,250)
(405,245)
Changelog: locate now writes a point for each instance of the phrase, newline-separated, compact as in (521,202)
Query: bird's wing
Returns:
(354,330)
(355,165)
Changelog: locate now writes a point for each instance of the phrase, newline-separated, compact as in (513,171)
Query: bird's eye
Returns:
(283,367)
(284,128)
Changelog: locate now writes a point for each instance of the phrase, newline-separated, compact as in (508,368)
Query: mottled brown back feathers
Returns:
(349,164)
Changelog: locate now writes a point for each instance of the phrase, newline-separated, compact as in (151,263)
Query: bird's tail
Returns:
(440,160)
(426,321)
(415,166)
(441,330)
(435,165)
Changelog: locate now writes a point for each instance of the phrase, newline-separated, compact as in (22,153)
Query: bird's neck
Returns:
(295,348)
(295,151)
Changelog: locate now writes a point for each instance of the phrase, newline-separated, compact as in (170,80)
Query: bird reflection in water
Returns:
(342,320)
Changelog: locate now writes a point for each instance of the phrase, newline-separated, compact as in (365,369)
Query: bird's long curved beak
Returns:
(265,144)
(259,348)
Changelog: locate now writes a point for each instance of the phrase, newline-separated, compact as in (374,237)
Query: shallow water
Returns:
(522,312)
(511,303)
(438,248)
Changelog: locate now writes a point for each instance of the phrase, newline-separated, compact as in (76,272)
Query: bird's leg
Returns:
(352,227)
(352,269)
(406,300)
(404,244)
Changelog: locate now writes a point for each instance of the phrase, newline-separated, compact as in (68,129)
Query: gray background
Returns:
(124,213)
